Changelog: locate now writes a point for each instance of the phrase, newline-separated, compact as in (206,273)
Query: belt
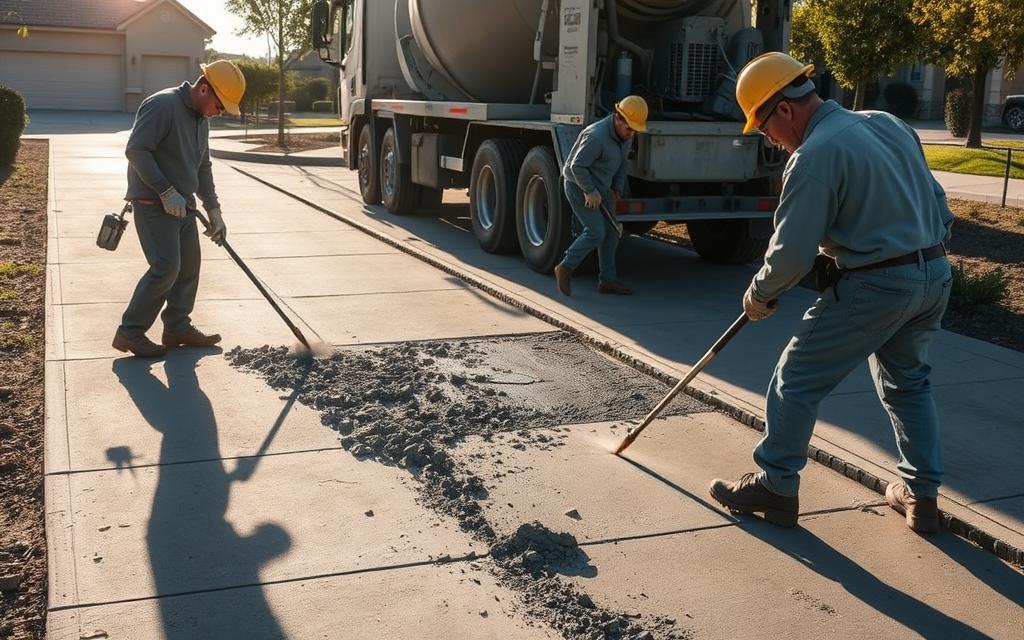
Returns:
(146,201)
(911,258)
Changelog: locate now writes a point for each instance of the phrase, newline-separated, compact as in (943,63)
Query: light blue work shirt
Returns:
(170,147)
(858,188)
(599,159)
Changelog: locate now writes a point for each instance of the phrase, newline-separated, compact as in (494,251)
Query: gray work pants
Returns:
(172,250)
(889,317)
(598,234)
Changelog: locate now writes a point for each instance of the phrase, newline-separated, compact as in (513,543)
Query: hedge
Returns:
(12,124)
(326,106)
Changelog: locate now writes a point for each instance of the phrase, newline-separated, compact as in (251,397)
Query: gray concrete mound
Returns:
(409,404)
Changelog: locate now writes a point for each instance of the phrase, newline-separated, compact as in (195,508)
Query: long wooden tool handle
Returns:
(611,218)
(705,359)
(259,286)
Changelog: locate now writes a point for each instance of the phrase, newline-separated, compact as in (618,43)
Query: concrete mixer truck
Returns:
(489,96)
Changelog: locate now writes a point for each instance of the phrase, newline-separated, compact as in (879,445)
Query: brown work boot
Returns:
(748,495)
(191,337)
(922,513)
(140,346)
(614,287)
(563,276)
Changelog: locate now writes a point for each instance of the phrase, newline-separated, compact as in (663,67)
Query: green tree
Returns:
(805,42)
(287,24)
(971,37)
(260,85)
(862,40)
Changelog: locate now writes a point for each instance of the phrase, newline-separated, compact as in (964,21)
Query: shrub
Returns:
(972,290)
(305,91)
(12,124)
(902,99)
(958,112)
(289,107)
(326,106)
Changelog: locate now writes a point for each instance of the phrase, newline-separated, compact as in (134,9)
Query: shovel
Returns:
(610,218)
(633,432)
(259,286)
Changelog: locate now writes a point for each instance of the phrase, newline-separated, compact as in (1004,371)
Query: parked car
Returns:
(1013,112)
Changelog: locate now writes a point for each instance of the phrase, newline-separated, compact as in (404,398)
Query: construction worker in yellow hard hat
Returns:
(859,201)
(595,177)
(168,166)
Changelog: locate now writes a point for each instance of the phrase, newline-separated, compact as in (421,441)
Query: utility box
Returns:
(689,55)
(697,151)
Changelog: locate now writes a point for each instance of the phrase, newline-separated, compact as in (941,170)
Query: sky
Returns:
(213,13)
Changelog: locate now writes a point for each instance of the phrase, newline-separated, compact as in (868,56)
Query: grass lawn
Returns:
(979,162)
(314,122)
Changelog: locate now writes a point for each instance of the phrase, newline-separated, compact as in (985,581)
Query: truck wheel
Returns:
(399,193)
(492,194)
(369,184)
(730,241)
(542,214)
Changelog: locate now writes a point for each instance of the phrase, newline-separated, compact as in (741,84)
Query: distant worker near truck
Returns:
(857,189)
(595,177)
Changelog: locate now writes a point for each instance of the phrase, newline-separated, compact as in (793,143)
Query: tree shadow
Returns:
(192,546)
(997,245)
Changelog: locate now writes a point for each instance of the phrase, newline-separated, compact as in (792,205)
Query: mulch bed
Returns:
(22,324)
(294,142)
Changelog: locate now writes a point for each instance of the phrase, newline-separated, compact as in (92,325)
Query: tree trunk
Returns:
(280,75)
(977,107)
(859,97)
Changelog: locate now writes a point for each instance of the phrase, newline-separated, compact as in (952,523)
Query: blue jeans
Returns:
(597,234)
(888,316)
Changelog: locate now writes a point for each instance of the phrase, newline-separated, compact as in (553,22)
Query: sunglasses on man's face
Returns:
(764,120)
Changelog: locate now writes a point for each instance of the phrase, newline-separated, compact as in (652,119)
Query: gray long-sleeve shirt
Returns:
(170,147)
(858,188)
(598,159)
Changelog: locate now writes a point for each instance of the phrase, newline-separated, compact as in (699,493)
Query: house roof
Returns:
(85,14)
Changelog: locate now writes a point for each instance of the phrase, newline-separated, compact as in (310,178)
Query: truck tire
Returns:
(542,214)
(492,194)
(398,192)
(729,241)
(366,166)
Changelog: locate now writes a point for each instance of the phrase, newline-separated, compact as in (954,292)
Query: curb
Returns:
(954,524)
(267,158)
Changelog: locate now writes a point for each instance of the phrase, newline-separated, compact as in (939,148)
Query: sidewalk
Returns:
(169,518)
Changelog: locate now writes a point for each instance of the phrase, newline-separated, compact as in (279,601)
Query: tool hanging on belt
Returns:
(112,228)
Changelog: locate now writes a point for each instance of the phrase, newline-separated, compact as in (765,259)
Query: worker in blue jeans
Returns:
(858,190)
(595,177)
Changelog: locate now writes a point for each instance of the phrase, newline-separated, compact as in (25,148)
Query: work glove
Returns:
(217,230)
(174,203)
(755,308)
(592,199)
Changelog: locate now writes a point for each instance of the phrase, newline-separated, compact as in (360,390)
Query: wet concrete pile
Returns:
(409,404)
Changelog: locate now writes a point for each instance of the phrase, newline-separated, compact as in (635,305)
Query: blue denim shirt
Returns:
(170,147)
(598,160)
(858,188)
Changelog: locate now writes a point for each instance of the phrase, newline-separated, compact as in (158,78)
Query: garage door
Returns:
(64,80)
(161,72)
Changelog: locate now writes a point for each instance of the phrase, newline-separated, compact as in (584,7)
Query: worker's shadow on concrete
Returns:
(820,557)
(192,547)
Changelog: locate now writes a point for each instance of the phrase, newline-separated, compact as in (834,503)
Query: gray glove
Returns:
(174,203)
(217,231)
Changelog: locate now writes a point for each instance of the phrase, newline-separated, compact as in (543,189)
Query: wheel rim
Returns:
(388,164)
(364,166)
(535,211)
(486,198)
(1015,118)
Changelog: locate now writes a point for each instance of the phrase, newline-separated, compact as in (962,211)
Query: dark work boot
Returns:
(563,276)
(614,287)
(922,513)
(140,346)
(190,337)
(748,495)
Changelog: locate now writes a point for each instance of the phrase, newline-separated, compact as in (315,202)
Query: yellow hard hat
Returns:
(227,82)
(762,78)
(634,110)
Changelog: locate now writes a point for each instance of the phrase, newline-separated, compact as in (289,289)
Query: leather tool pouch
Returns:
(826,272)
(112,228)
